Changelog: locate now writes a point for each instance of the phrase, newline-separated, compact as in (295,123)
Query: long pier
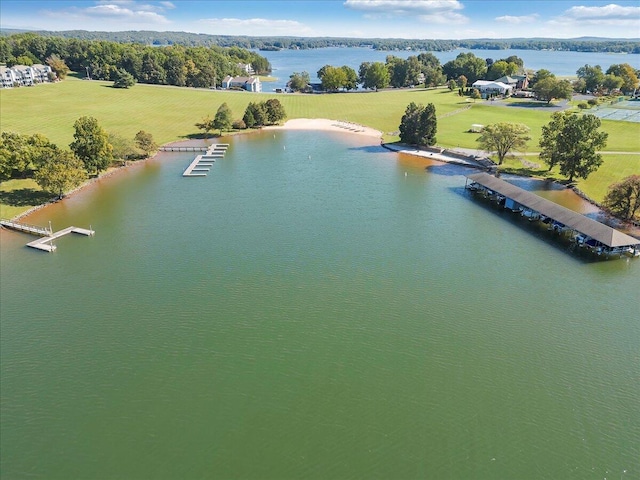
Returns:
(201,165)
(588,233)
(183,149)
(44,243)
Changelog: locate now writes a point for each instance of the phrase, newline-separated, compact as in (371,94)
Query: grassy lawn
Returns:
(17,196)
(169,114)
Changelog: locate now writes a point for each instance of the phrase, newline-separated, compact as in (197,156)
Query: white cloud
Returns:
(168,5)
(256,26)
(111,11)
(115,11)
(611,14)
(519,19)
(434,11)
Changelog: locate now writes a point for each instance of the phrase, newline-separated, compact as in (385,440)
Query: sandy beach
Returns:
(327,125)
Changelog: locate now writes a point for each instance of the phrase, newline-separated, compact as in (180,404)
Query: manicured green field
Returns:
(169,114)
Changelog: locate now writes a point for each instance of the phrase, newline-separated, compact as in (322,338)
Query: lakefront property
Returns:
(299,285)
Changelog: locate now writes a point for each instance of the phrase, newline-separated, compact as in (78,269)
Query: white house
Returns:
(8,77)
(246,68)
(251,84)
(487,88)
(22,75)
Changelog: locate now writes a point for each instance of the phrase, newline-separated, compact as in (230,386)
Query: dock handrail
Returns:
(25,227)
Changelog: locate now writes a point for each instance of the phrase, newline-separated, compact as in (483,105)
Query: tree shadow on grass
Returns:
(200,136)
(24,197)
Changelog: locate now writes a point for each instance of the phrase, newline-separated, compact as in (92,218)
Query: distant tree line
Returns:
(196,66)
(276,42)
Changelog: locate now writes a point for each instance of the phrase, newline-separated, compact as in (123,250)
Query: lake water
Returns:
(286,62)
(316,307)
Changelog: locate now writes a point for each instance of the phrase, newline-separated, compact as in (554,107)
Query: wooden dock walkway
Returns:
(26,228)
(202,163)
(183,149)
(47,236)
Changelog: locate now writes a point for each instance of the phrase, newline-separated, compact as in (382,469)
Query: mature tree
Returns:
(572,141)
(333,78)
(21,154)
(433,76)
(623,198)
(123,148)
(540,75)
(462,81)
(275,111)
(503,138)
(475,94)
(579,85)
(123,79)
(299,82)
(550,87)
(61,173)
(255,115)
(419,125)
(58,66)
(206,125)
(611,83)
(223,118)
(409,124)
(145,142)
(91,144)
(351,78)
(397,71)
(413,70)
(452,84)
(467,64)
(376,76)
(500,69)
(593,76)
(627,73)
(428,126)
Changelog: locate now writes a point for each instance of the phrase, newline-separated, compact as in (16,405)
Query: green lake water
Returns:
(319,308)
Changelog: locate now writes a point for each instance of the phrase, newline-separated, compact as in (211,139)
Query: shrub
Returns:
(239,124)
(593,102)
(583,105)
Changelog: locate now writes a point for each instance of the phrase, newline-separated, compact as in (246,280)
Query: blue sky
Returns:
(453,19)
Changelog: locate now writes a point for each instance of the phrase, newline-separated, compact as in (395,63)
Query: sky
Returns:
(422,19)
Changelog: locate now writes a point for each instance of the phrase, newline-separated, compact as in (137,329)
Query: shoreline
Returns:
(319,124)
(294,124)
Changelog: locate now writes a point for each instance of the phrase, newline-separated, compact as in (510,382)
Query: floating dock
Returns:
(44,243)
(588,233)
(201,165)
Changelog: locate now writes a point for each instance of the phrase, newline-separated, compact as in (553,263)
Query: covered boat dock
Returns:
(588,233)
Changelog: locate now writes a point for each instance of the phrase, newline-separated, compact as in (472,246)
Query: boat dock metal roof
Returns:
(576,221)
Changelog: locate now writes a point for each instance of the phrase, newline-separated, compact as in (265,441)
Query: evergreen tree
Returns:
(222,120)
(123,79)
(419,125)
(275,111)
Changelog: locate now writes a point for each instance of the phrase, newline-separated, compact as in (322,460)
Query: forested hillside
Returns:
(191,66)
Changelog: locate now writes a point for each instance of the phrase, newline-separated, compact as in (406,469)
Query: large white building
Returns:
(24,76)
(251,84)
(487,88)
